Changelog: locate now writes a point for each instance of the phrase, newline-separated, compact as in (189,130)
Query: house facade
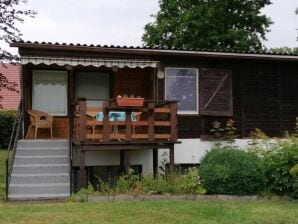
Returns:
(184,92)
(10,100)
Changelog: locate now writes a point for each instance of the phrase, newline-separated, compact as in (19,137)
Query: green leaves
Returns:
(226,170)
(232,24)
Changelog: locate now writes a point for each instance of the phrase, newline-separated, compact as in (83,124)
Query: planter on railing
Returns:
(129,102)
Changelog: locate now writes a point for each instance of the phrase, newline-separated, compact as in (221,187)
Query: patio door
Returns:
(92,85)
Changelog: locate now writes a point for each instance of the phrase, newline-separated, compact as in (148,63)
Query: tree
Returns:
(10,13)
(284,50)
(211,24)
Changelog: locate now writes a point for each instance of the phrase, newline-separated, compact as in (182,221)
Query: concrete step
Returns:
(40,168)
(42,143)
(47,188)
(32,197)
(40,178)
(49,159)
(58,151)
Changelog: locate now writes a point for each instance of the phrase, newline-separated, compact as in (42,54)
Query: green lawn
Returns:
(145,212)
(151,212)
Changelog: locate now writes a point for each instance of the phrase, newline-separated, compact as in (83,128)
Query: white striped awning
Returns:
(96,62)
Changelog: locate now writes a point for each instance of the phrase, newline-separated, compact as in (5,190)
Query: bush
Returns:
(132,183)
(280,168)
(228,170)
(6,123)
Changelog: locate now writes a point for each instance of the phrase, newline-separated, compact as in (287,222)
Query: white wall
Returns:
(188,152)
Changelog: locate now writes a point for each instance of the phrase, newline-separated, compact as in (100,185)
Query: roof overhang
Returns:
(95,62)
(151,52)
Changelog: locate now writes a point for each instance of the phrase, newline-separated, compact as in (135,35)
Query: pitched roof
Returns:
(160,51)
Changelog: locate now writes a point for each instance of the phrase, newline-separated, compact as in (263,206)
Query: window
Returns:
(92,85)
(182,84)
(49,92)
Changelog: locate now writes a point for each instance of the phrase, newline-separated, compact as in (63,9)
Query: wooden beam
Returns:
(83,178)
(106,123)
(173,120)
(82,111)
(155,162)
(151,107)
(172,158)
(122,162)
(128,128)
(127,161)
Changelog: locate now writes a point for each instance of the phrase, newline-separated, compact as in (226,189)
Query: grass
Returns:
(209,212)
(151,212)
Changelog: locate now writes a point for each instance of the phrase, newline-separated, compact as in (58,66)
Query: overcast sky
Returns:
(121,22)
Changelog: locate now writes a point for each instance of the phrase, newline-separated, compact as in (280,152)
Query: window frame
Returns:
(65,73)
(185,112)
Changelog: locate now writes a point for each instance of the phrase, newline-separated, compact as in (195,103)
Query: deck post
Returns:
(82,111)
(83,181)
(106,122)
(173,119)
(172,157)
(155,162)
(122,161)
(127,160)
(128,129)
(151,107)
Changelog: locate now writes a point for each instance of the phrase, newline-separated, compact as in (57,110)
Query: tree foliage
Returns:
(10,14)
(211,24)
(285,50)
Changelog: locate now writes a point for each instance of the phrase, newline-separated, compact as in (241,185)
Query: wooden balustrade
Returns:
(158,123)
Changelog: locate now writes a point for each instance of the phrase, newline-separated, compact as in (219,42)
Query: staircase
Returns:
(40,170)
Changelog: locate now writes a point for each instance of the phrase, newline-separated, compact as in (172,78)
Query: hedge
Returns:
(7,118)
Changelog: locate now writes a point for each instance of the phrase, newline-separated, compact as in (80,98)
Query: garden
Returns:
(267,168)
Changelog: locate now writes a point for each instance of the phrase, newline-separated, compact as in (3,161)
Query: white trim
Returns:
(197,90)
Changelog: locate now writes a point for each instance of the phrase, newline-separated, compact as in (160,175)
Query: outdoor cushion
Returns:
(115,116)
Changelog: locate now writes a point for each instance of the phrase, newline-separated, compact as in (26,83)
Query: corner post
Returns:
(151,107)
(155,162)
(82,111)
(172,159)
(83,180)
(173,120)
(106,122)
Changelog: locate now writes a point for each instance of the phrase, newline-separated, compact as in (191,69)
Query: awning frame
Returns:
(96,62)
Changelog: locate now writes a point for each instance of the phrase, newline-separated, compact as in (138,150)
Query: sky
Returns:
(121,22)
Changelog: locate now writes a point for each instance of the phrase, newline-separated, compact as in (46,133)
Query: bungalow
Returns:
(170,97)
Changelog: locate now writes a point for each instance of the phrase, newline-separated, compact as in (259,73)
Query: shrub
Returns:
(228,170)
(279,164)
(6,123)
(132,183)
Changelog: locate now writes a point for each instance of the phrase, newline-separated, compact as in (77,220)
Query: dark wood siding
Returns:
(264,90)
(215,92)
(133,81)
(264,96)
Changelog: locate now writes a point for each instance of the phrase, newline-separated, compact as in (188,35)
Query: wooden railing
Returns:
(157,121)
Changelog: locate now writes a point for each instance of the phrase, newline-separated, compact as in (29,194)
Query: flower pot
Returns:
(129,102)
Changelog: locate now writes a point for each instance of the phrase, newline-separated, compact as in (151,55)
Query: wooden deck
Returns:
(155,128)
(157,122)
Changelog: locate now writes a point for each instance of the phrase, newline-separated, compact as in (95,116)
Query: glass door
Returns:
(92,85)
